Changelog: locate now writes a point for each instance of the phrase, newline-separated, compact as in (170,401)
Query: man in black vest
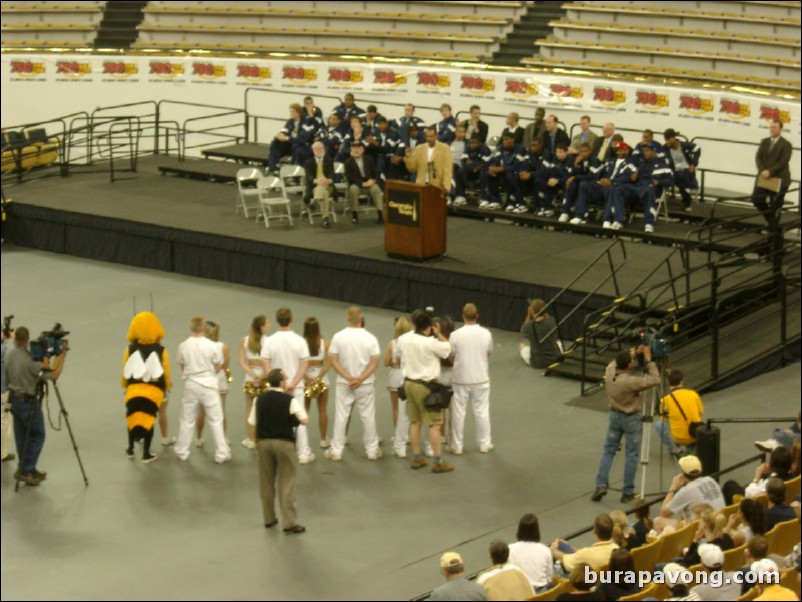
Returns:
(275,416)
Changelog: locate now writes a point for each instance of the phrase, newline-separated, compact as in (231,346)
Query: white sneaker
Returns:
(564,218)
(617,225)
(648,228)
(400,454)
(198,442)
(494,206)
(224,460)
(607,225)
(168,441)
(768,446)
(484,204)
(324,444)
(486,449)
(248,443)
(577,220)
(308,459)
(455,451)
(509,208)
(548,213)
(429,451)
(460,200)
(449,202)
(376,456)
(331,456)
(540,212)
(520,209)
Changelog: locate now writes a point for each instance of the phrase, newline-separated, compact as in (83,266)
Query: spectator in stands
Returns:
(596,555)
(531,556)
(348,109)
(585,136)
(447,126)
(616,184)
(554,175)
(471,347)
(653,176)
(781,437)
(502,172)
(402,123)
(362,178)
(623,389)
(288,141)
(778,511)
(553,136)
(756,549)
(623,533)
(770,589)
(311,111)
(773,158)
(675,578)
(456,587)
(319,182)
(534,130)
(474,126)
(431,162)
(689,488)
(531,169)
(602,148)
(512,127)
(678,410)
(372,117)
(682,157)
(620,560)
(474,165)
(582,587)
(332,136)
(542,348)
(713,529)
(643,524)
(779,465)
(582,168)
(504,580)
(750,520)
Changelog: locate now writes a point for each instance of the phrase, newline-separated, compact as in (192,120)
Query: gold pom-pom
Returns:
(315,388)
(254,388)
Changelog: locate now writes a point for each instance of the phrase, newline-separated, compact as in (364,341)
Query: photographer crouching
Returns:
(23,376)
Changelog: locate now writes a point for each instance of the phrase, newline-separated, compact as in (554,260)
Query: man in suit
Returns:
(275,414)
(319,182)
(431,162)
(362,176)
(534,130)
(772,159)
(585,136)
(552,137)
(474,126)
(602,148)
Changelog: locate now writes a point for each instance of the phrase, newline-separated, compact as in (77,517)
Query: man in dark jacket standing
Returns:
(772,159)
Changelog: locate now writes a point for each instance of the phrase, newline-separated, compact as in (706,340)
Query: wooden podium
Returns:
(414,220)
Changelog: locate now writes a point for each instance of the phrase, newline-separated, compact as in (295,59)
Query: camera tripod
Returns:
(652,402)
(41,395)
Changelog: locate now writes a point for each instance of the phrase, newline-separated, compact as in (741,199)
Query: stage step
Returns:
(245,152)
(200,169)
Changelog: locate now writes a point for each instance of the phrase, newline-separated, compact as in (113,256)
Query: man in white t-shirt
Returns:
(690,488)
(289,351)
(471,347)
(200,360)
(354,355)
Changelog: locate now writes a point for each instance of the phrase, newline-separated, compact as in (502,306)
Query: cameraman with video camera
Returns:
(23,375)
(623,388)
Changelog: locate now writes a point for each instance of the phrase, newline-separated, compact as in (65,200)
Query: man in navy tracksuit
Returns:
(531,168)
(502,171)
(474,166)
(382,143)
(616,185)
(554,176)
(582,168)
(682,158)
(447,126)
(288,141)
(652,177)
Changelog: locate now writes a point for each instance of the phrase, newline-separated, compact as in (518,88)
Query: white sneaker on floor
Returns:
(509,208)
(486,449)
(564,218)
(617,225)
(307,459)
(578,220)
(494,206)
(455,451)
(648,228)
(324,444)
(429,451)
(168,441)
(198,442)
(376,456)
(460,200)
(400,454)
(248,444)
(520,209)
(768,446)
(331,456)
(484,204)
(607,225)
(224,460)
(548,213)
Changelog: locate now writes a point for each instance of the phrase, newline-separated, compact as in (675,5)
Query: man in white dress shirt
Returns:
(200,360)
(471,347)
(289,351)
(354,355)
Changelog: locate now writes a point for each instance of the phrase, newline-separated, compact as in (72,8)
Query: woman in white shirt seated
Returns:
(531,556)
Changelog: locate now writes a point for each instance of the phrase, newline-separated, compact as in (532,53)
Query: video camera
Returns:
(660,346)
(49,343)
(7,326)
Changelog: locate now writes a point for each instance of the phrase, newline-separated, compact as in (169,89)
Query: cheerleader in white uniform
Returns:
(213,333)
(251,362)
(395,380)
(318,369)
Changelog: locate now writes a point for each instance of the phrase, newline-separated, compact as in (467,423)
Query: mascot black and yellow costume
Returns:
(146,378)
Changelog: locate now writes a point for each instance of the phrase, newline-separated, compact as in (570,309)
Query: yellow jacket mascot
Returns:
(146,379)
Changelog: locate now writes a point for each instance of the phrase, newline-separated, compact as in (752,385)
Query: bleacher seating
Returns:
(26,150)
(723,41)
(50,24)
(443,30)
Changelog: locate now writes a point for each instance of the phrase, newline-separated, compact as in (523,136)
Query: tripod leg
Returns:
(64,413)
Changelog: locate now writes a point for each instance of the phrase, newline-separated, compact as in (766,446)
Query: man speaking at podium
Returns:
(431,162)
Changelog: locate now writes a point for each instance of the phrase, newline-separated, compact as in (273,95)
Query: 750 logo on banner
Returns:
(346,77)
(73,68)
(519,88)
(565,91)
(253,73)
(27,68)
(734,109)
(434,81)
(649,99)
(695,104)
(166,69)
(770,113)
(609,97)
(120,69)
(298,75)
(388,79)
(476,84)
(208,70)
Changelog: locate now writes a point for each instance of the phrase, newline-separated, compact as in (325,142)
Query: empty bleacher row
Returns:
(733,42)
(24,150)
(50,24)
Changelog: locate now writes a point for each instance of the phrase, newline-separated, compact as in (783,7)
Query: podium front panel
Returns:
(415,220)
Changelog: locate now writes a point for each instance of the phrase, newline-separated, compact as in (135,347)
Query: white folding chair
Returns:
(292,183)
(247,193)
(661,204)
(272,201)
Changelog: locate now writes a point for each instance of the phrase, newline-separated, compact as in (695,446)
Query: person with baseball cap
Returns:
(682,158)
(768,582)
(713,560)
(690,488)
(456,587)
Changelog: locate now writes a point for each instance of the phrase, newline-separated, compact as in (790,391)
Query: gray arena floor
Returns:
(173,531)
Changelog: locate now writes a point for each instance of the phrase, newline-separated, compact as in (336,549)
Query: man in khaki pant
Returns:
(319,182)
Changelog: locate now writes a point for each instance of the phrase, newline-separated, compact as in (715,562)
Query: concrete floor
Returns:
(171,530)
